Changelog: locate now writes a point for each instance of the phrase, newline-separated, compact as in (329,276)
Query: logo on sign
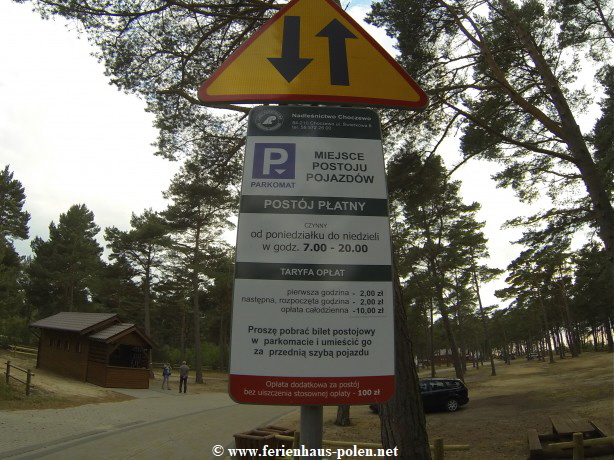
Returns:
(274,161)
(269,120)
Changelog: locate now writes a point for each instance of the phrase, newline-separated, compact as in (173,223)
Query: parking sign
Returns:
(313,309)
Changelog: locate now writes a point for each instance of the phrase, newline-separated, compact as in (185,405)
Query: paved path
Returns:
(158,424)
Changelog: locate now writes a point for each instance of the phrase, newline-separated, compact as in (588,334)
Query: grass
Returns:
(13,397)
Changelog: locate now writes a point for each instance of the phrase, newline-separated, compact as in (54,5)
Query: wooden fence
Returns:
(23,350)
(579,442)
(27,382)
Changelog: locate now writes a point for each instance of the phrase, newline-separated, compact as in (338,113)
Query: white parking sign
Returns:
(313,308)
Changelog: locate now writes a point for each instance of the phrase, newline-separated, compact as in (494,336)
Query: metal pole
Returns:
(312,421)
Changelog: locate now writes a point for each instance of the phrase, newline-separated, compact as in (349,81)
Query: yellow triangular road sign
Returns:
(312,51)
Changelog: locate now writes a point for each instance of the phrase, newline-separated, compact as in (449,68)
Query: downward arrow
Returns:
(289,65)
(337,53)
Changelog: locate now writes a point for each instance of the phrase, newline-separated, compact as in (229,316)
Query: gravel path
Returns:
(38,433)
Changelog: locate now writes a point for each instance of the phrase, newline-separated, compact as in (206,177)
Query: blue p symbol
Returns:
(274,161)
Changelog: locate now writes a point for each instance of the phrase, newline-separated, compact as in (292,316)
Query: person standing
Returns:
(166,373)
(183,377)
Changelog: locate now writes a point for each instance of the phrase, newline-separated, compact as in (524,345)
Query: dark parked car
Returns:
(440,393)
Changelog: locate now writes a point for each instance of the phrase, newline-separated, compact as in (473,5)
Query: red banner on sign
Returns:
(311,390)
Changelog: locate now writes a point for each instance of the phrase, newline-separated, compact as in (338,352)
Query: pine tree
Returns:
(505,74)
(13,219)
(141,248)
(198,213)
(64,269)
(13,225)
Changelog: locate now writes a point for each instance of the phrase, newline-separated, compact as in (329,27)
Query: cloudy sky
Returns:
(71,138)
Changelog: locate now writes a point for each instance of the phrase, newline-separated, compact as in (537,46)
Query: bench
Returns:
(600,432)
(565,426)
(590,439)
(535,445)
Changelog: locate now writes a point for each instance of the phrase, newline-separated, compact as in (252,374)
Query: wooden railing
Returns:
(27,382)
(23,350)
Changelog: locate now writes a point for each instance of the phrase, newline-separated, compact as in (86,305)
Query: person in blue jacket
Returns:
(166,373)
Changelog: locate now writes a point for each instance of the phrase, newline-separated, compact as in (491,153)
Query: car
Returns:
(440,394)
(533,355)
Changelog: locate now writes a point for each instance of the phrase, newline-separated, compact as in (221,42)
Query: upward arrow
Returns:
(289,65)
(337,53)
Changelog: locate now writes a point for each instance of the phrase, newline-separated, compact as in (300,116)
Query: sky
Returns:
(68,136)
(71,138)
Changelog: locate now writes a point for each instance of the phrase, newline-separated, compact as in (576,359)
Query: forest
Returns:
(503,78)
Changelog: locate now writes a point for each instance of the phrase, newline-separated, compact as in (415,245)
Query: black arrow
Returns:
(289,65)
(337,54)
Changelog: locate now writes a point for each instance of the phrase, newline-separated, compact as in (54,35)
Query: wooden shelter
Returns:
(94,347)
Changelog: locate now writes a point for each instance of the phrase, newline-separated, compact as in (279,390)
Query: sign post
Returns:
(312,312)
(313,304)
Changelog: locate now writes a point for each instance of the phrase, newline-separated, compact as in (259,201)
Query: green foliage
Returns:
(10,393)
(13,224)
(592,293)
(13,220)
(139,251)
(210,355)
(199,212)
(603,132)
(200,207)
(166,353)
(11,281)
(64,270)
(14,330)
(506,75)
(438,243)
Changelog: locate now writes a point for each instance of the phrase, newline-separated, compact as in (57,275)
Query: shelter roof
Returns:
(83,323)
(117,331)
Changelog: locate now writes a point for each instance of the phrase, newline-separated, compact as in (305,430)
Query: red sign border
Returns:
(240,388)
(203,96)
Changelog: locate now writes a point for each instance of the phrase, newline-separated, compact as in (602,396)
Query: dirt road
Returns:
(157,424)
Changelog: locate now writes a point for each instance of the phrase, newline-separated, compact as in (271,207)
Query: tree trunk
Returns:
(446,318)
(343,415)
(461,330)
(608,330)
(198,362)
(476,285)
(573,338)
(147,308)
(222,344)
(506,348)
(182,333)
(451,340)
(432,337)
(569,131)
(547,327)
(403,424)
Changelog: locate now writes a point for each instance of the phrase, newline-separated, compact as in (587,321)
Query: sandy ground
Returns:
(495,421)
(52,391)
(494,424)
